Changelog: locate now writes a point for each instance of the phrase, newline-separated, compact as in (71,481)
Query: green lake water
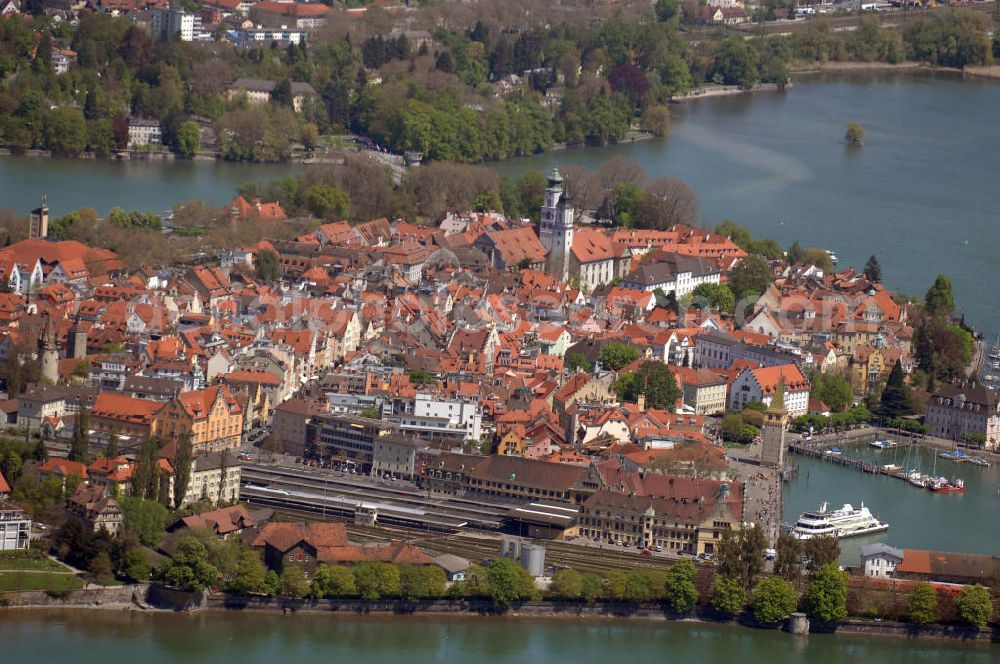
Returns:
(121,638)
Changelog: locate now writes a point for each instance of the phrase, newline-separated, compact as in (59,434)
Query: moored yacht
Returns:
(845,522)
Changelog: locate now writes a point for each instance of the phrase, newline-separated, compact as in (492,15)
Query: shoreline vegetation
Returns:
(485,88)
(707,91)
(134,599)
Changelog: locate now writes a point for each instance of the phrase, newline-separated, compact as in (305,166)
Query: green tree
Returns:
(737,62)
(728,597)
(375,579)
(656,120)
(637,587)
(267,266)
(615,586)
(833,390)
(741,555)
(421,582)
(578,362)
(79,443)
(751,277)
(251,575)
(826,595)
(326,201)
(66,132)
(773,599)
(680,589)
(873,271)
(100,569)
(716,296)
(146,519)
(188,139)
(740,235)
(939,300)
(566,584)
(855,133)
(655,381)
(897,398)
(591,588)
(508,582)
(421,377)
(616,355)
(134,565)
(922,605)
(820,551)
(335,581)
(952,38)
(293,582)
(786,563)
(182,468)
(190,568)
(974,605)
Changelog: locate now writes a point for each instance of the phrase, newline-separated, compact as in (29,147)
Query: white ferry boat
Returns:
(845,522)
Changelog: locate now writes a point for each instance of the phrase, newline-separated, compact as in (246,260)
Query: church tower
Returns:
(772,451)
(556,230)
(39,228)
(48,351)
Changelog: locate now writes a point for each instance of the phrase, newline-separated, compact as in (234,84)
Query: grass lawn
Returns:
(38,581)
(29,560)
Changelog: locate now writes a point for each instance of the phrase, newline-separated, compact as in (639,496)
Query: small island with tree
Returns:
(855,134)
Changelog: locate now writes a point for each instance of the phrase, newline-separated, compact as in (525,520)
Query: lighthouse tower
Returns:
(556,230)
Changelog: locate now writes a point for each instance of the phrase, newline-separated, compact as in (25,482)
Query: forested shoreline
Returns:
(470,93)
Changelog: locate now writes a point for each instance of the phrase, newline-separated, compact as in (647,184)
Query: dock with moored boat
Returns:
(835,455)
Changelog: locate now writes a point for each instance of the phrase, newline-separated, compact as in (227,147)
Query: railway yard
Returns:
(438,524)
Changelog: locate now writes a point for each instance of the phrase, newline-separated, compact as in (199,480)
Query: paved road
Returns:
(763,500)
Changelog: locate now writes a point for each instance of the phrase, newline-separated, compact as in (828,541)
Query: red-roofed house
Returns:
(243,209)
(122,415)
(761,384)
(212,417)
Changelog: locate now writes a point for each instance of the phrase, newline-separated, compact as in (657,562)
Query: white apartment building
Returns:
(15,528)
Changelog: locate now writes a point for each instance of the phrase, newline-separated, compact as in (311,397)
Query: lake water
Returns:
(917,518)
(922,194)
(124,638)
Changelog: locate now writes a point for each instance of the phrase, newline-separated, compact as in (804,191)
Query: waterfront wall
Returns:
(110,597)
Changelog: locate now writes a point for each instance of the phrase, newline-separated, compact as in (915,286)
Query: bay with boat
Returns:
(919,518)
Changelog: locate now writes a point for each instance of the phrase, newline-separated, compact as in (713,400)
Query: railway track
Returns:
(479,547)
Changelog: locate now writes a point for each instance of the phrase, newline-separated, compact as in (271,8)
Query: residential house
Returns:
(101,512)
(760,385)
(880,560)
(225,522)
(260,91)
(15,528)
(703,389)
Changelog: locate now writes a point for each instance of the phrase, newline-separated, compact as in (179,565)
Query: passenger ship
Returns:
(845,522)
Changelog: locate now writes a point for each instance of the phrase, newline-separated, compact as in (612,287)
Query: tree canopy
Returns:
(655,381)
